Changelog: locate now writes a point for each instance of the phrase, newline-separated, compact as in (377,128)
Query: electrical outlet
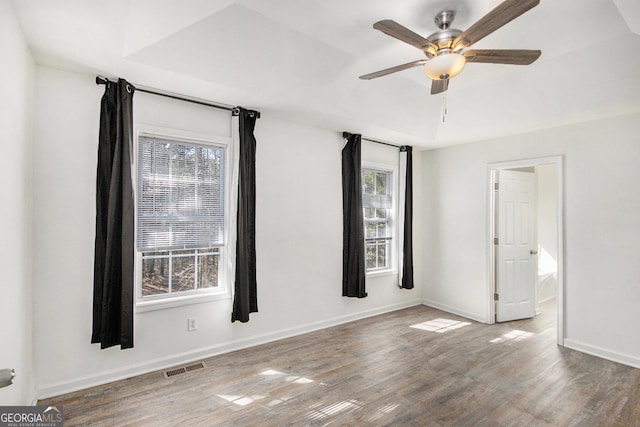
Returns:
(192,323)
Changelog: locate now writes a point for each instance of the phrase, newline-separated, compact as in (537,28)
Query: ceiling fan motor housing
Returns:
(443,38)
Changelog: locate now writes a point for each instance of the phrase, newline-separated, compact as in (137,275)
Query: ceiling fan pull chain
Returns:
(444,106)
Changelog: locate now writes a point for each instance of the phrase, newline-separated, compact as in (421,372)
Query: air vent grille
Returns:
(183,369)
(194,367)
(174,372)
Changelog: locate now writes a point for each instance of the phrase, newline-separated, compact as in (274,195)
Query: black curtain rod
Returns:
(346,134)
(103,81)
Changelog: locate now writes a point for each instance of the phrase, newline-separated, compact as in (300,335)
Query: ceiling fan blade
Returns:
(393,69)
(404,34)
(504,13)
(439,86)
(502,56)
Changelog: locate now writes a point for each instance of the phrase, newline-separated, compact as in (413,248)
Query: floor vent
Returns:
(194,367)
(183,369)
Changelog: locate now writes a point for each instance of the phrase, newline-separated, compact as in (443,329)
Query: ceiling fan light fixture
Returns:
(445,66)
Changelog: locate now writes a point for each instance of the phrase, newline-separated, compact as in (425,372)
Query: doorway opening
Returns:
(526,264)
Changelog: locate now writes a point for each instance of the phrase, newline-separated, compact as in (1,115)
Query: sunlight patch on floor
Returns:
(440,325)
(380,413)
(240,400)
(287,377)
(244,400)
(279,400)
(511,337)
(271,372)
(388,408)
(319,412)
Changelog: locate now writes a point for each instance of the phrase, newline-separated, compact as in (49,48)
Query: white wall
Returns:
(16,103)
(299,246)
(547,215)
(602,226)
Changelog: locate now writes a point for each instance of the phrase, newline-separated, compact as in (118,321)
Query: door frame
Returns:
(491,285)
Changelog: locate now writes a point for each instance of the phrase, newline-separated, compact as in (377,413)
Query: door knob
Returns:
(533,252)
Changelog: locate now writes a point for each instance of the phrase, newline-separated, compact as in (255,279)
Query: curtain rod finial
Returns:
(345,134)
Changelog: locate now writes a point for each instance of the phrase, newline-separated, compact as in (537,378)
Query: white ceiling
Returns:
(301,59)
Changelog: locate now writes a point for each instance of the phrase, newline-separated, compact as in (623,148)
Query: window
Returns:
(377,202)
(180,217)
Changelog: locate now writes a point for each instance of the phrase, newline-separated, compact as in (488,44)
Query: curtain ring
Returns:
(128,88)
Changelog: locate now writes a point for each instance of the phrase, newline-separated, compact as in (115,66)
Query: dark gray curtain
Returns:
(114,253)
(407,246)
(353,269)
(245,299)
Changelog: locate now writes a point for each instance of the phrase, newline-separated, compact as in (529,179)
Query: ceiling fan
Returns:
(446,49)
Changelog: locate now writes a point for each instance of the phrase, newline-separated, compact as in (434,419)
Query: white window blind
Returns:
(377,203)
(181,194)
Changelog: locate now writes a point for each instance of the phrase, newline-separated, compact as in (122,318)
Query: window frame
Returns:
(393,169)
(223,291)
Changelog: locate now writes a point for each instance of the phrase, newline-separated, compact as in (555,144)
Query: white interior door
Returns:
(516,249)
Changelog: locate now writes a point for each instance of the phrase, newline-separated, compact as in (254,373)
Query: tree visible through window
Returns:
(378,230)
(181,220)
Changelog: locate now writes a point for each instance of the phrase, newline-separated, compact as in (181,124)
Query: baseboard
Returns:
(203,353)
(454,310)
(603,353)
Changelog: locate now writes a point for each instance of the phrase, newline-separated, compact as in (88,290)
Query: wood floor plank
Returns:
(381,371)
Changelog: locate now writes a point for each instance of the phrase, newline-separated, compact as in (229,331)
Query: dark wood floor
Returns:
(382,371)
